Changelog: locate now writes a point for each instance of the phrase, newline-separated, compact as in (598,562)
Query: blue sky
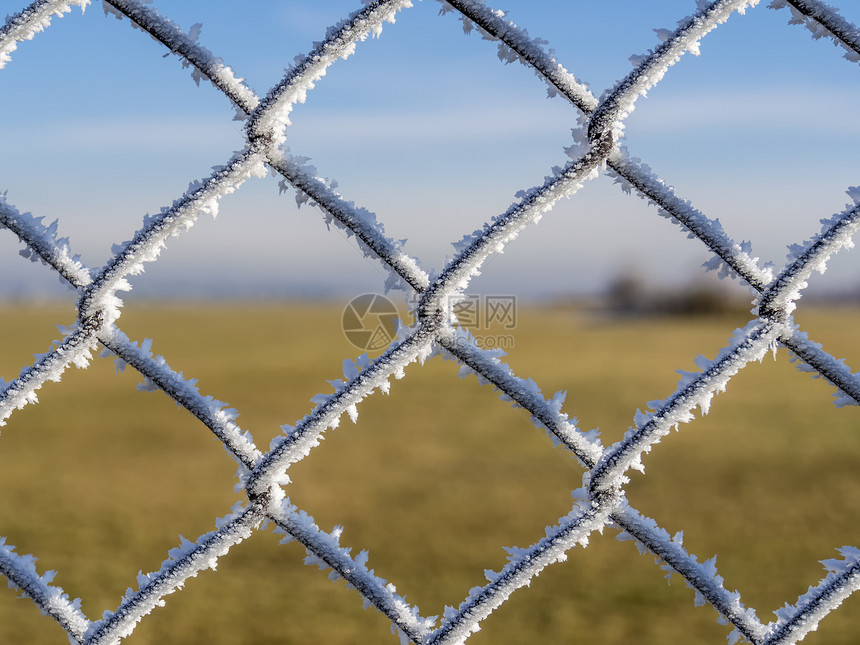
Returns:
(427,128)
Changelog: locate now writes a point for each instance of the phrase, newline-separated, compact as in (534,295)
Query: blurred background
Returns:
(428,129)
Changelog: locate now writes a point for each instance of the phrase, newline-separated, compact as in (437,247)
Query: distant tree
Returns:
(630,295)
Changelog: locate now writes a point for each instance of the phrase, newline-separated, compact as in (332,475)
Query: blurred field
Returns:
(99,480)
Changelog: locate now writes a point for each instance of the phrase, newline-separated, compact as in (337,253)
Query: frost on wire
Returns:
(262,476)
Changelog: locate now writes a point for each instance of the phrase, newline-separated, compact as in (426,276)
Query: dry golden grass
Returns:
(99,479)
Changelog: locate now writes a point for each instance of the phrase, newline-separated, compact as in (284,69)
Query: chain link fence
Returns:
(262,476)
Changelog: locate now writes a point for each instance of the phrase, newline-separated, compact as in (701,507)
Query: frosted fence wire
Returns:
(600,503)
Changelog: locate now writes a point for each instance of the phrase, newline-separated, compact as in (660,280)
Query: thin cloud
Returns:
(472,123)
(141,135)
(786,109)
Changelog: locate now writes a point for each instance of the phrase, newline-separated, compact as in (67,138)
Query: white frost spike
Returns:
(272,115)
(663,34)
(558,400)
(74,349)
(194,32)
(350,369)
(352,411)
(149,240)
(825,21)
(184,562)
(572,530)
(43,244)
(21,573)
(619,102)
(320,399)
(324,550)
(29,22)
(641,418)
(795,621)
(217,417)
(363,361)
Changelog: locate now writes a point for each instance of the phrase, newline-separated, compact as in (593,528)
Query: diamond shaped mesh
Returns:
(601,502)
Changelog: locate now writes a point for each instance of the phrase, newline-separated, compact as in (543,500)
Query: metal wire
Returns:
(601,501)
